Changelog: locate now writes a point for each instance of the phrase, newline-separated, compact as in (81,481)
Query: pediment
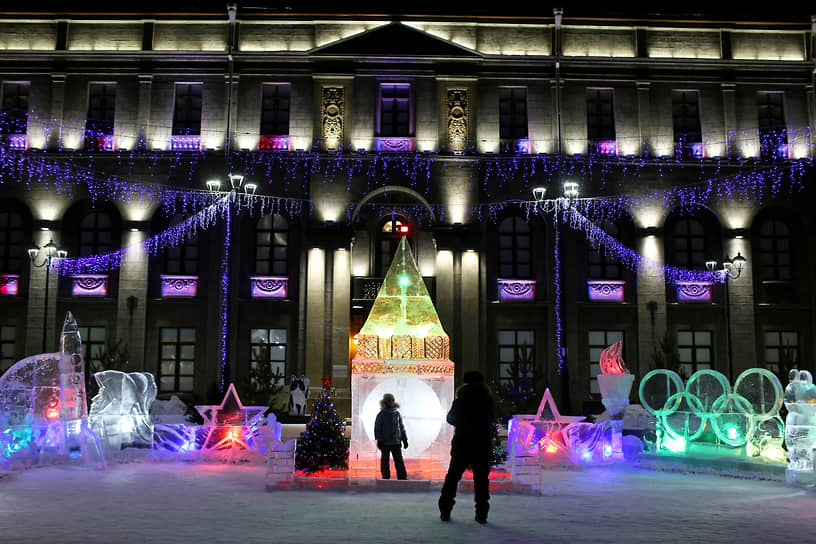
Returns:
(394,40)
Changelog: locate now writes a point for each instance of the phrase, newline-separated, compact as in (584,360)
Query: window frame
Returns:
(514,125)
(777,348)
(772,130)
(276,363)
(271,261)
(15,117)
(503,363)
(600,131)
(515,249)
(770,271)
(410,129)
(12,260)
(7,361)
(177,360)
(276,110)
(694,365)
(188,123)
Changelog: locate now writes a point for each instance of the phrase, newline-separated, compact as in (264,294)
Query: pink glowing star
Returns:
(612,361)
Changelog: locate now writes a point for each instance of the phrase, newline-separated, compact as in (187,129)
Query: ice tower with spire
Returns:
(402,349)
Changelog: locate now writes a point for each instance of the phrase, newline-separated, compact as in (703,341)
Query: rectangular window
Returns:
(515,249)
(177,359)
(267,346)
(15,108)
(694,349)
(602,265)
(781,351)
(516,355)
(93,346)
(601,120)
(513,113)
(101,109)
(395,110)
(275,109)
(688,135)
(8,351)
(271,246)
(773,137)
(187,111)
(597,342)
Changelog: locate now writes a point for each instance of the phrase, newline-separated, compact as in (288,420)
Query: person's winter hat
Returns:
(473,376)
(388,397)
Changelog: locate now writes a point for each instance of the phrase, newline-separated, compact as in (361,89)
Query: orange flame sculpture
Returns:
(612,361)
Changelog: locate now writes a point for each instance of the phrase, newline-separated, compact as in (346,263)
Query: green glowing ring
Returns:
(673,407)
(674,385)
(716,381)
(733,405)
(744,386)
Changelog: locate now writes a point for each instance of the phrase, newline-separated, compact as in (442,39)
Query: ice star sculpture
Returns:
(230,426)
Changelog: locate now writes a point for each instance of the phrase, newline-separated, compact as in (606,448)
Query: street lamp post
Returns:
(236,188)
(730,269)
(51,253)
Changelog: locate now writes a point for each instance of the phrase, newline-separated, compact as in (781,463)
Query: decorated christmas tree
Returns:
(322,446)
(498,454)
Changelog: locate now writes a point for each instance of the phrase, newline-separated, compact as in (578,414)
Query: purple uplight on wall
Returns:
(606,290)
(697,150)
(89,284)
(178,286)
(269,286)
(694,291)
(9,283)
(185,142)
(274,143)
(405,143)
(516,289)
(17,142)
(606,147)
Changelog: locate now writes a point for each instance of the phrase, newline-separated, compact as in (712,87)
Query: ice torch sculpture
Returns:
(800,427)
(615,383)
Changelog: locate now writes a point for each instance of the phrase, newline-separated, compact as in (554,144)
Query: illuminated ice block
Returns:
(403,350)
(615,383)
(120,412)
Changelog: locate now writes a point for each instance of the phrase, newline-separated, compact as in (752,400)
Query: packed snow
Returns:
(185,502)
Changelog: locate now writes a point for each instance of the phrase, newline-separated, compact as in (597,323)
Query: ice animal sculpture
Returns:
(800,426)
(42,405)
(120,412)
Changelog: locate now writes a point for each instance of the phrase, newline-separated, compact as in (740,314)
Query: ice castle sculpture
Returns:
(42,405)
(120,412)
(800,427)
(402,349)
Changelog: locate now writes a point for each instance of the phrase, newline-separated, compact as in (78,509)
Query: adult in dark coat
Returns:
(472,413)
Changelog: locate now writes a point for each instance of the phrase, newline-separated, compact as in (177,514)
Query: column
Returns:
(36,309)
(54,134)
(231,109)
(315,314)
(469,312)
(341,320)
(742,329)
(729,118)
(131,309)
(644,116)
(444,292)
(651,304)
(143,112)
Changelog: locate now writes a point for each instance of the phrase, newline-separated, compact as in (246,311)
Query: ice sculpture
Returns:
(800,426)
(615,383)
(42,405)
(120,412)
(231,428)
(718,421)
(402,349)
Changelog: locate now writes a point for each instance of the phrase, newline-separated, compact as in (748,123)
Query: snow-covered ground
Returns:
(179,502)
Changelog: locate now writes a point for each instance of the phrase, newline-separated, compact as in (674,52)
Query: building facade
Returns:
(355,131)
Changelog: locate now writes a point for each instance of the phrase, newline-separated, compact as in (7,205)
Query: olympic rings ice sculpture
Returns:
(746,415)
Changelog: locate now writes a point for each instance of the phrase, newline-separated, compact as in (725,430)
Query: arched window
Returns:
(515,253)
(182,259)
(775,257)
(601,266)
(271,245)
(689,245)
(96,234)
(12,241)
(388,236)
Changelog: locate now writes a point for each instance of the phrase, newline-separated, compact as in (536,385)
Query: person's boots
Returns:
(481,514)
(445,507)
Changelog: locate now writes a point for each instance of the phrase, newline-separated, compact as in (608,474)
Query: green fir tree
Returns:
(322,446)
(498,454)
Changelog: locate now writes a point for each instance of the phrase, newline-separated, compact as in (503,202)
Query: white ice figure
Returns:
(800,424)
(120,412)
